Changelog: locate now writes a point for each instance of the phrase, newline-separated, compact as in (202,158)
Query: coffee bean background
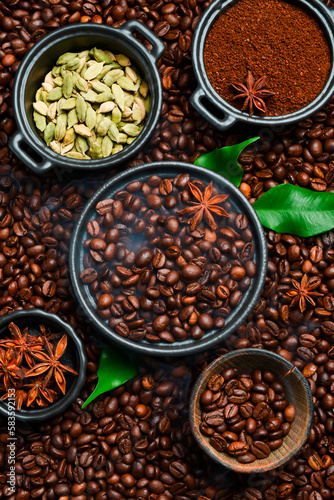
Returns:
(135,442)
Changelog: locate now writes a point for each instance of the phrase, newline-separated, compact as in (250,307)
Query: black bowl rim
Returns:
(58,407)
(325,19)
(177,349)
(122,34)
(255,353)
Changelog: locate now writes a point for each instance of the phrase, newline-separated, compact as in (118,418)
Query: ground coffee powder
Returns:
(272,38)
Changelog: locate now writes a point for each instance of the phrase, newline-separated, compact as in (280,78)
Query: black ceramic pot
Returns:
(26,143)
(74,356)
(219,112)
(178,348)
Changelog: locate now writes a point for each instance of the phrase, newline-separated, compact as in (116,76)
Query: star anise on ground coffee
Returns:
(304,291)
(205,207)
(253,92)
(50,364)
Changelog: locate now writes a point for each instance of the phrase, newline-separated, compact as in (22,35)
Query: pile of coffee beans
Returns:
(65,456)
(245,415)
(155,277)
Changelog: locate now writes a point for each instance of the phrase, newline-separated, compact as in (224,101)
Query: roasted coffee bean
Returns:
(239,421)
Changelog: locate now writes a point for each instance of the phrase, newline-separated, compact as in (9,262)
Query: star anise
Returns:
(9,369)
(253,92)
(51,365)
(39,392)
(23,343)
(20,397)
(304,291)
(46,334)
(206,206)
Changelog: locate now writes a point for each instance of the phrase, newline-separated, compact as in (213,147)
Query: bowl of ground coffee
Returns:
(251,410)
(87,97)
(167,259)
(262,62)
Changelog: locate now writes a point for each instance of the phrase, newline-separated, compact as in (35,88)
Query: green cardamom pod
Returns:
(147,104)
(58,81)
(55,94)
(72,118)
(91,118)
(117,149)
(73,64)
(143,89)
(89,96)
(81,129)
(69,137)
(95,151)
(125,83)
(128,100)
(40,121)
(93,71)
(104,71)
(49,133)
(101,56)
(65,58)
(107,146)
(123,60)
(60,129)
(55,71)
(116,115)
(68,104)
(119,95)
(106,107)
(122,138)
(41,107)
(76,155)
(81,84)
(113,132)
(67,85)
(136,114)
(65,148)
(99,86)
(81,108)
(103,127)
(81,144)
(52,111)
(55,146)
(131,73)
(105,96)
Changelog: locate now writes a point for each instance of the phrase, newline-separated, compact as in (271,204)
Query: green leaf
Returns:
(294,210)
(224,161)
(115,368)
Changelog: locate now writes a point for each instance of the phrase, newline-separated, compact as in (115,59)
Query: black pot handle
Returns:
(158,46)
(15,145)
(219,123)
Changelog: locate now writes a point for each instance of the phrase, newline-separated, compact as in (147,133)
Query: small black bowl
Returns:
(74,357)
(177,348)
(26,143)
(222,115)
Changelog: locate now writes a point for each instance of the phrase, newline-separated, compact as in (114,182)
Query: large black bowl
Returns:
(26,143)
(219,112)
(74,357)
(178,348)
